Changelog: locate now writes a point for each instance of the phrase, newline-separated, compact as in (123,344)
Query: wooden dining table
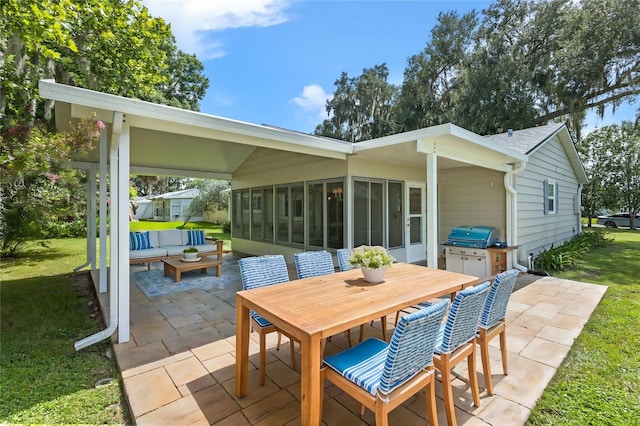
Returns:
(312,309)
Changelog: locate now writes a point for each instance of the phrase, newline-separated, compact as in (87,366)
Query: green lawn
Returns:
(599,381)
(45,309)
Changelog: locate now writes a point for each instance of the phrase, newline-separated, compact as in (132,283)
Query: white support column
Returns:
(122,249)
(90,198)
(91,220)
(432,210)
(114,270)
(103,212)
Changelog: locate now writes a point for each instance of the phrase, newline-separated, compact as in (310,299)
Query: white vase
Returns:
(374,275)
(190,256)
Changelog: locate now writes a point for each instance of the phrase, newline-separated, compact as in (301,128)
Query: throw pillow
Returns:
(139,241)
(196,238)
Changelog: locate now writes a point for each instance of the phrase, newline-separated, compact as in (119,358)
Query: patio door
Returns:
(415,231)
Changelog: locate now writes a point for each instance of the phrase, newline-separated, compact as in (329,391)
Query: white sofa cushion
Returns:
(153,239)
(143,254)
(171,237)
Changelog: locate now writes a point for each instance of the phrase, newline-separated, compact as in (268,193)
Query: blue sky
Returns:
(275,62)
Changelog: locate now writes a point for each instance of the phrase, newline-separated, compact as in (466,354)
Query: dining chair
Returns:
(492,322)
(456,341)
(343,256)
(261,271)
(316,264)
(381,375)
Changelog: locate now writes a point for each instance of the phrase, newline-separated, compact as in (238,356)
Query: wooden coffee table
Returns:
(178,266)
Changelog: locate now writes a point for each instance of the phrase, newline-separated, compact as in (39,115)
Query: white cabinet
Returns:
(468,261)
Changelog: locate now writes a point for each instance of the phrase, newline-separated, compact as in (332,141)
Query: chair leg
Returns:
(486,363)
(348,333)
(473,376)
(279,340)
(397,318)
(503,351)
(382,414)
(263,358)
(447,391)
(432,411)
(383,324)
(361,333)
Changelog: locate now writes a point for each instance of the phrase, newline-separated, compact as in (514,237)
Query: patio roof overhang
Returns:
(453,145)
(175,142)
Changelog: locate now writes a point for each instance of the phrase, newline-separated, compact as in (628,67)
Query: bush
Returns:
(558,258)
(73,229)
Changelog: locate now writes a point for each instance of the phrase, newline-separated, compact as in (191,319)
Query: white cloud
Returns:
(192,20)
(313,100)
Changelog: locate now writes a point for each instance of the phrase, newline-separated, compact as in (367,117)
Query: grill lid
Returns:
(473,236)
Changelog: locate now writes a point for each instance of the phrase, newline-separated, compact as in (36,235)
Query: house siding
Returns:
(471,196)
(537,231)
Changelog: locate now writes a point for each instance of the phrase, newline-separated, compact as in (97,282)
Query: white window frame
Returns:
(550,185)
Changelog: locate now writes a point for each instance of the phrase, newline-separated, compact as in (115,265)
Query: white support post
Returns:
(103,213)
(122,249)
(90,197)
(115,235)
(91,220)
(432,210)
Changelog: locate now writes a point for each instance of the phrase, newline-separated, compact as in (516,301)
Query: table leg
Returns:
(311,380)
(166,270)
(177,274)
(242,348)
(203,271)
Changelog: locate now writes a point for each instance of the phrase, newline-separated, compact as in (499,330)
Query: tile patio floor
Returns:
(179,367)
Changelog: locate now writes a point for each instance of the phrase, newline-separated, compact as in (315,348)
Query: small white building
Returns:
(174,206)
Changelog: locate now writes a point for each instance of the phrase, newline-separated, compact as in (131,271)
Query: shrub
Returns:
(565,255)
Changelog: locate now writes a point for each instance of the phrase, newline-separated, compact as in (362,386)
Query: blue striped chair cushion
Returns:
(195,237)
(495,307)
(313,263)
(343,256)
(139,241)
(260,271)
(362,364)
(379,367)
(411,346)
(263,322)
(462,322)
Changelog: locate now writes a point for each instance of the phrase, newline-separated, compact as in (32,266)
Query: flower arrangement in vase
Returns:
(373,262)
(190,253)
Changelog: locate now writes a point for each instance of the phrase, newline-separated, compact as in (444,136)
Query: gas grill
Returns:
(473,236)
(466,250)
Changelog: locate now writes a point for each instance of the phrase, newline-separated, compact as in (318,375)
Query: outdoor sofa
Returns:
(153,246)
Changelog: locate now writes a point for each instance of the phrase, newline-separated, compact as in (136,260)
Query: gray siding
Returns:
(537,231)
(471,196)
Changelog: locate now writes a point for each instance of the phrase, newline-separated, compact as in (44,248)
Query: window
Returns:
(395,214)
(262,214)
(240,213)
(256,215)
(368,216)
(550,197)
(290,214)
(325,213)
